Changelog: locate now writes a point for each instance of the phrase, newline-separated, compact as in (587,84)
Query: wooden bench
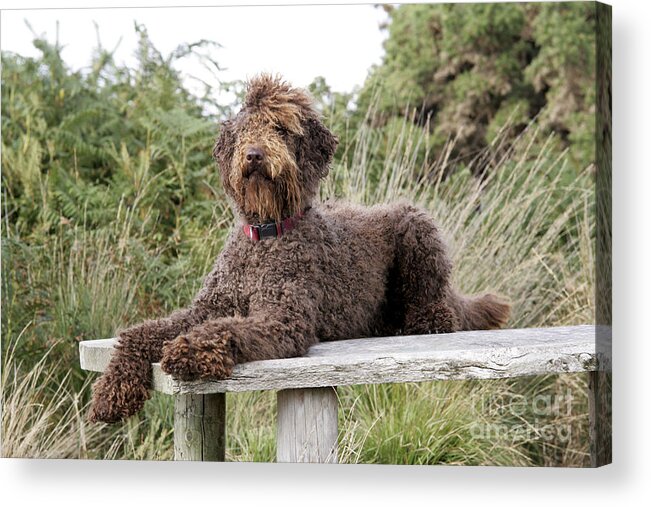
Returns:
(307,400)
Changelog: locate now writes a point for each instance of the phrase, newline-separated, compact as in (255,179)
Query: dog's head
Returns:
(273,153)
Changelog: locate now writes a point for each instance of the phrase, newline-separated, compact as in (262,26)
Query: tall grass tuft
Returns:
(42,415)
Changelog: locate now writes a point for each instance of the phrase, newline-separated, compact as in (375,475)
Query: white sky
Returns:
(339,42)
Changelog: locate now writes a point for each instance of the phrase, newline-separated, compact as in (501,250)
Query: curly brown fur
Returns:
(344,271)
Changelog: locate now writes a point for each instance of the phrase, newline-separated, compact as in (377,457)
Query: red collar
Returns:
(272,229)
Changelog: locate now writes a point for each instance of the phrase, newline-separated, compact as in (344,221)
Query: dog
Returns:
(293,271)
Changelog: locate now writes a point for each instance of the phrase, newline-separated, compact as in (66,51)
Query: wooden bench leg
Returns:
(307,425)
(200,427)
(599,400)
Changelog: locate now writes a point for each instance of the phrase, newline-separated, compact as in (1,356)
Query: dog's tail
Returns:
(482,312)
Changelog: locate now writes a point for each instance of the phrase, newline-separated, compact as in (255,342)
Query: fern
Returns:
(76,146)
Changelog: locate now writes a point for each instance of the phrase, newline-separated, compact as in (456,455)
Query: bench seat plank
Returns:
(455,356)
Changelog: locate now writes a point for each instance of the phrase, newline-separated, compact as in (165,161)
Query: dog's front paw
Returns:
(190,358)
(115,399)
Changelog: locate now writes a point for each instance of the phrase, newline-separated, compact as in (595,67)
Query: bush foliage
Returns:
(465,69)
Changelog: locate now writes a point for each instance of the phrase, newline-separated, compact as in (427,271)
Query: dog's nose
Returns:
(254,155)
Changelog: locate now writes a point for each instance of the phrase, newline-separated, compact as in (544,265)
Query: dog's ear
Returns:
(224,145)
(224,150)
(317,147)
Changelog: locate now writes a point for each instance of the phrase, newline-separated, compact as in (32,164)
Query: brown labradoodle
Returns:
(293,271)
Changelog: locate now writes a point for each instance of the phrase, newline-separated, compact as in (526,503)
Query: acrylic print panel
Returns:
(383,243)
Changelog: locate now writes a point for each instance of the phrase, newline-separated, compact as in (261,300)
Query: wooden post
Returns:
(307,425)
(599,400)
(600,382)
(200,427)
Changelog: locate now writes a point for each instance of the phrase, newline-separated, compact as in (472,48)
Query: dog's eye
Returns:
(281,130)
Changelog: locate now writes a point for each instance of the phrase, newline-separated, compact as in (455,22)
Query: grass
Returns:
(42,416)
(526,231)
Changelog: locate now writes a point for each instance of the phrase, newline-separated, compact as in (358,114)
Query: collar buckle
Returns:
(271,230)
(267,230)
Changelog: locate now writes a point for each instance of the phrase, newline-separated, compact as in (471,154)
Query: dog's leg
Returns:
(424,268)
(212,349)
(124,386)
